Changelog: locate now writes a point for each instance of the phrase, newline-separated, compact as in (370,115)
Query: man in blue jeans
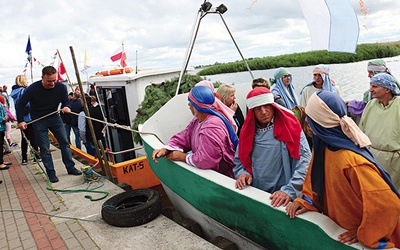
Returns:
(45,96)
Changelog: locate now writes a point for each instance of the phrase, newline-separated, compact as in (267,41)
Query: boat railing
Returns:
(111,154)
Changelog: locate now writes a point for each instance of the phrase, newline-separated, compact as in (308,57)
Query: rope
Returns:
(88,172)
(35,153)
(51,215)
(116,125)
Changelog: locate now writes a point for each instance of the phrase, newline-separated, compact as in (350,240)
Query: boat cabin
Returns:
(120,95)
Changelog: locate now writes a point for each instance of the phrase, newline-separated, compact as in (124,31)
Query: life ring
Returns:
(132,208)
(116,71)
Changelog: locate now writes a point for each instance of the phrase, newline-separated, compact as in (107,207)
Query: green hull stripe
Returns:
(262,224)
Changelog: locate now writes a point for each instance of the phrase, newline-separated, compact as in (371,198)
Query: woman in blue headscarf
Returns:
(209,137)
(282,85)
(344,181)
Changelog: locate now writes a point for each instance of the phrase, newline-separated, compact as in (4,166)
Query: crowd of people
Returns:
(310,152)
(42,107)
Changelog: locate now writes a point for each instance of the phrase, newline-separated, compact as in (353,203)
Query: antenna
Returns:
(206,8)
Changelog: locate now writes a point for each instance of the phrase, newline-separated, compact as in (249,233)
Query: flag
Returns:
(61,71)
(86,65)
(333,24)
(119,54)
(28,49)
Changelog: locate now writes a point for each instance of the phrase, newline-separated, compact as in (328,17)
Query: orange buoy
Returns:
(116,71)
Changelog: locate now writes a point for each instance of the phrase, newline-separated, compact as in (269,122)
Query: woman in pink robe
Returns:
(208,142)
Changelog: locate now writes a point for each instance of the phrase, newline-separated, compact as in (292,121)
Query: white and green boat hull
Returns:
(243,216)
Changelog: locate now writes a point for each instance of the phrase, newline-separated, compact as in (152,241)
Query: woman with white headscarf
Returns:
(321,81)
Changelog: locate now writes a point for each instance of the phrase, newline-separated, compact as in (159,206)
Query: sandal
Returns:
(7,163)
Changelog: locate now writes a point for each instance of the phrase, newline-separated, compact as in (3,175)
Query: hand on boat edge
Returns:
(348,237)
(279,198)
(295,208)
(157,153)
(243,180)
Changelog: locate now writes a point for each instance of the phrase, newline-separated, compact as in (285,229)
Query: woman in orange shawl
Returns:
(344,181)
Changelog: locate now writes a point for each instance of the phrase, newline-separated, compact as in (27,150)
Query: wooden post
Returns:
(109,173)
(88,121)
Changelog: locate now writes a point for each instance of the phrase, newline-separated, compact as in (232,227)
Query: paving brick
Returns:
(88,244)
(62,227)
(29,243)
(23,226)
(71,243)
(25,235)
(15,243)
(42,243)
(66,234)
(74,226)
(57,243)
(11,229)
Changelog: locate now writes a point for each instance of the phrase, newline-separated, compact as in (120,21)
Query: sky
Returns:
(156,34)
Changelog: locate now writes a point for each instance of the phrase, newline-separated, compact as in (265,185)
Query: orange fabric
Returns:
(356,197)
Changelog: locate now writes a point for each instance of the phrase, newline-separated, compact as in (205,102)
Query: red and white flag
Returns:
(61,71)
(119,54)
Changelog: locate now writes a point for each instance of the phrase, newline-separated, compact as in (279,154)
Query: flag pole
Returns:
(28,51)
(69,81)
(30,62)
(85,68)
(123,51)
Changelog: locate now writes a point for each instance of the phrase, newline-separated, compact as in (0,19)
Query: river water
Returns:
(352,78)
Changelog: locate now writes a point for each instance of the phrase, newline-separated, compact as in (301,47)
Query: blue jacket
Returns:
(16,93)
(3,114)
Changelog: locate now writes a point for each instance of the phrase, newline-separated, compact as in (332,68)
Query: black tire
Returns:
(132,208)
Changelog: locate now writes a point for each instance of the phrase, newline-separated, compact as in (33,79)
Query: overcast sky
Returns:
(160,31)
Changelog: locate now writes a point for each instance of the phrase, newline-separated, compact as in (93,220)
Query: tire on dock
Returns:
(132,208)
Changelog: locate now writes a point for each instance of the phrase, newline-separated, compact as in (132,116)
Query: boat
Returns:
(245,217)
(120,95)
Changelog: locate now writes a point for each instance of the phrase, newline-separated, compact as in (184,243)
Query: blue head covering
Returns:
(202,98)
(386,81)
(335,139)
(288,94)
(327,84)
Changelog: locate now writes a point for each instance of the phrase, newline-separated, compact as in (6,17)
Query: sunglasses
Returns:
(286,76)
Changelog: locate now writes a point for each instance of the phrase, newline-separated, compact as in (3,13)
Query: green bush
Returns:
(363,52)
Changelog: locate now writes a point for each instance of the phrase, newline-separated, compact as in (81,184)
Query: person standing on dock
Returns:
(21,83)
(45,97)
(273,152)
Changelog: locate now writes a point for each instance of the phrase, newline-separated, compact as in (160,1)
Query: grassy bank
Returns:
(363,52)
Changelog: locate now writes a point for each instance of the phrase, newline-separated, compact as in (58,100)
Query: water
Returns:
(352,78)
